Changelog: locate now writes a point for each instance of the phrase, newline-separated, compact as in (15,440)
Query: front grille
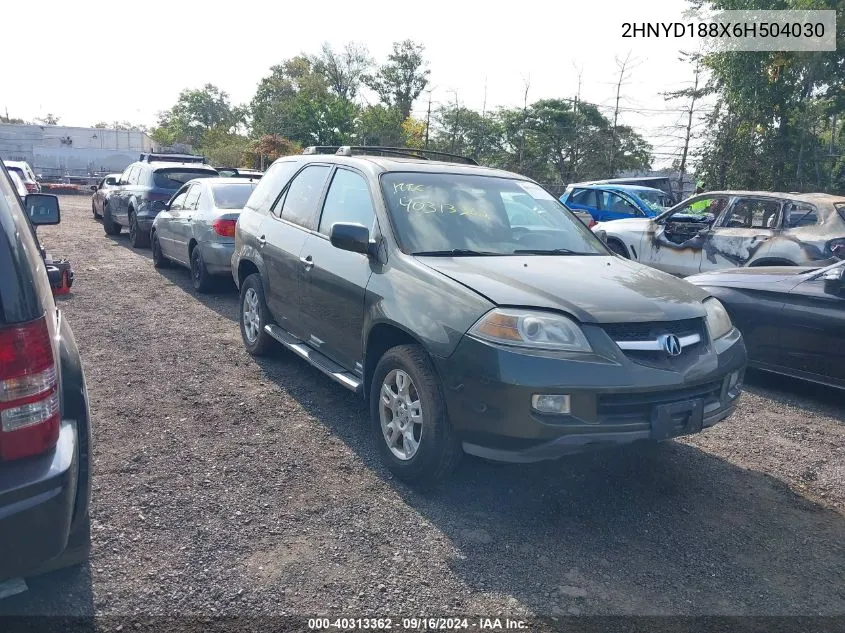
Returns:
(639,405)
(650,330)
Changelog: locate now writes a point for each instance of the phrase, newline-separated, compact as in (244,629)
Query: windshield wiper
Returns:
(549,251)
(455,252)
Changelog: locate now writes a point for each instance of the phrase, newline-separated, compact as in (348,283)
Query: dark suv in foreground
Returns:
(471,320)
(143,190)
(45,431)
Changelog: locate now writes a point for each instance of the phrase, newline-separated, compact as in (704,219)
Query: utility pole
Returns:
(693,96)
(427,119)
(574,161)
(527,84)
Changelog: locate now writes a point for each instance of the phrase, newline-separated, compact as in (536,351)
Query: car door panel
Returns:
(675,242)
(183,221)
(812,336)
(336,280)
(742,233)
(282,236)
(167,236)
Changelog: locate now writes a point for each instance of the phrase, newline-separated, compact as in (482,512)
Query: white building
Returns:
(57,150)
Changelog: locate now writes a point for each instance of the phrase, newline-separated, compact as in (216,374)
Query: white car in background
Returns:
(18,183)
(25,173)
(729,229)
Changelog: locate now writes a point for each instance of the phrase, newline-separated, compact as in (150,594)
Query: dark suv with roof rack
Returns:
(143,190)
(473,311)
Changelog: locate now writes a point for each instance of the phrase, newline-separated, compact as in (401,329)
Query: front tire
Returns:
(136,236)
(109,226)
(409,420)
(200,277)
(97,216)
(159,260)
(254,317)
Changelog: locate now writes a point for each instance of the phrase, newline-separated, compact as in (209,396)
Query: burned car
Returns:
(726,229)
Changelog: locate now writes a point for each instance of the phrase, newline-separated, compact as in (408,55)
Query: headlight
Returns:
(718,321)
(529,328)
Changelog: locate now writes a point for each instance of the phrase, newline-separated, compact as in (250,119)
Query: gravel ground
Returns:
(226,485)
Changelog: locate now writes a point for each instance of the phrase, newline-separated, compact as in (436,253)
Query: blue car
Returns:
(616,202)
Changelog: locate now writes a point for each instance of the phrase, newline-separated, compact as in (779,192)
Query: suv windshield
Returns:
(463,214)
(175,178)
(232,196)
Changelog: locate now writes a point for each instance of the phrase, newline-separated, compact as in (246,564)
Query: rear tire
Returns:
(159,260)
(200,277)
(425,456)
(109,226)
(617,247)
(254,317)
(136,236)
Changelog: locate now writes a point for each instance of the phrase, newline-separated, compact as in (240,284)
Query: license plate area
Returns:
(677,418)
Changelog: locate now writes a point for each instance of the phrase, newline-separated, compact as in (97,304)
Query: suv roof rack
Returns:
(150,157)
(378,150)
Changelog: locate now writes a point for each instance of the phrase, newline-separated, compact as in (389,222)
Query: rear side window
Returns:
(300,203)
(271,185)
(801,214)
(175,178)
(585,197)
(232,196)
(19,172)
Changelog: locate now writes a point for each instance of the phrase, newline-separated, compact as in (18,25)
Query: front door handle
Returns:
(307,261)
(262,241)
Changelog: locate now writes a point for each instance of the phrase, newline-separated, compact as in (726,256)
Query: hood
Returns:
(750,276)
(593,289)
(631,224)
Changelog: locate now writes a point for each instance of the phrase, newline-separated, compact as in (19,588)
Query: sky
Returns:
(93,61)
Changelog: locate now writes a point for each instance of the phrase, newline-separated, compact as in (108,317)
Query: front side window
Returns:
(178,203)
(705,209)
(443,213)
(175,178)
(348,200)
(193,197)
(656,200)
(300,202)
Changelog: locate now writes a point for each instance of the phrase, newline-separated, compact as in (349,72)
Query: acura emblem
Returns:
(672,344)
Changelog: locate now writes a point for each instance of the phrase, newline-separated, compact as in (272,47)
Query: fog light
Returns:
(550,403)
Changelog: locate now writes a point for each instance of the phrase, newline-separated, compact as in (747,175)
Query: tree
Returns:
(224,148)
(295,102)
(195,112)
(122,125)
(693,94)
(48,119)
(379,125)
(402,79)
(262,151)
(8,119)
(343,70)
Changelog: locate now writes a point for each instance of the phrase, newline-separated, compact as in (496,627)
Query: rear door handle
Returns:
(307,261)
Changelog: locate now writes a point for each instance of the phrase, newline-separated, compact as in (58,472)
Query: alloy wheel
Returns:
(400,414)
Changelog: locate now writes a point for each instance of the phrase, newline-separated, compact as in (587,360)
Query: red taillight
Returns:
(224,228)
(29,395)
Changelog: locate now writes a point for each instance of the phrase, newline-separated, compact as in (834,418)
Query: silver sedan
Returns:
(197,228)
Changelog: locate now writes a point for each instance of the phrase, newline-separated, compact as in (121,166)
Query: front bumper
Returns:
(613,399)
(37,497)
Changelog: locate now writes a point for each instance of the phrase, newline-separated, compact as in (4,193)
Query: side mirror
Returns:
(43,208)
(601,234)
(93,187)
(351,237)
(834,281)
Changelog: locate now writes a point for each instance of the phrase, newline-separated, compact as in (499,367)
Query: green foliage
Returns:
(223,148)
(48,119)
(262,151)
(402,79)
(196,112)
(773,125)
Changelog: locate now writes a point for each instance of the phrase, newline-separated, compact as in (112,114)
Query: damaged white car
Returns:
(725,229)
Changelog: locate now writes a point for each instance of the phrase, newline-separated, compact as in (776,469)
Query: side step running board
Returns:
(318,360)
